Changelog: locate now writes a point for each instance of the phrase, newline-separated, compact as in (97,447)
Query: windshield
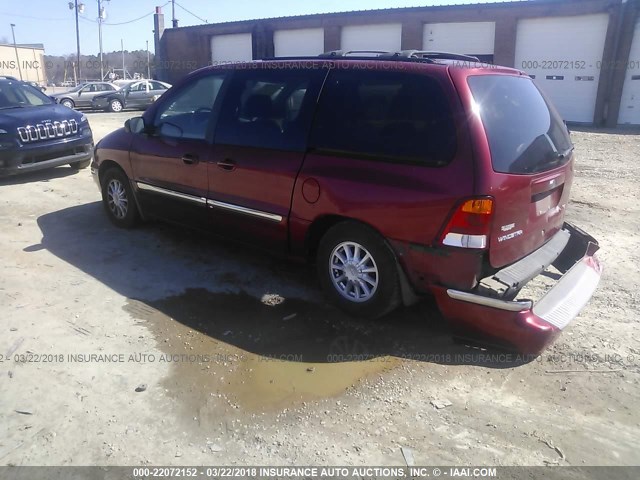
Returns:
(526,134)
(16,94)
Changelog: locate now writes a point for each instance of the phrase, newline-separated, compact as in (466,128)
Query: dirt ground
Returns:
(159,346)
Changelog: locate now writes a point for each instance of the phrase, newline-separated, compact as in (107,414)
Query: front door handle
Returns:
(227,164)
(190,159)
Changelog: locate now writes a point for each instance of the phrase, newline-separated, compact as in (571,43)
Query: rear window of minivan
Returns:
(526,135)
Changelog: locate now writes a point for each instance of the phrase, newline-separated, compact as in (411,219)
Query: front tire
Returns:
(117,199)
(68,103)
(115,105)
(358,271)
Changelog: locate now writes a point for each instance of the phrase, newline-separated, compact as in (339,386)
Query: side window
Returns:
(269,108)
(188,112)
(9,97)
(394,116)
(139,87)
(157,86)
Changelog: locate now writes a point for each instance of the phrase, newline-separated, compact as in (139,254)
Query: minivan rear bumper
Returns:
(523,325)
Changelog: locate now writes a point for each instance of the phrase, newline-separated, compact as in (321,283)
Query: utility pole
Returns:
(77,38)
(102,14)
(15,47)
(100,38)
(124,72)
(148,66)
(174,20)
(78,9)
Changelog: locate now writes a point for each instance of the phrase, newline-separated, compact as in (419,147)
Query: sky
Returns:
(52,23)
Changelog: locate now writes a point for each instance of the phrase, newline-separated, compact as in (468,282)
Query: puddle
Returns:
(239,352)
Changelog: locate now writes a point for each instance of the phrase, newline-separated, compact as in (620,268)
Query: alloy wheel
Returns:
(353,271)
(117,199)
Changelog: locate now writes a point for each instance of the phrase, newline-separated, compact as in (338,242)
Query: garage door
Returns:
(300,42)
(564,54)
(473,38)
(385,37)
(230,48)
(630,104)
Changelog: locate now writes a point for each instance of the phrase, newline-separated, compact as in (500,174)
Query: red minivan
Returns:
(400,175)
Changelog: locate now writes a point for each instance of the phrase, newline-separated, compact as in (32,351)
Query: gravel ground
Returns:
(205,353)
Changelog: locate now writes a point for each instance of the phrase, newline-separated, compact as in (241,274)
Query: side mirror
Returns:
(135,125)
(170,130)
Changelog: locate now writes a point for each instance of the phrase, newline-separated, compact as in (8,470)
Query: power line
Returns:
(86,19)
(191,13)
(32,17)
(135,19)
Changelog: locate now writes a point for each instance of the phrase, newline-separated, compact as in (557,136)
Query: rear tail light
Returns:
(469,225)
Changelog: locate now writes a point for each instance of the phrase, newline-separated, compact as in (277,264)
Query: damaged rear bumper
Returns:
(487,313)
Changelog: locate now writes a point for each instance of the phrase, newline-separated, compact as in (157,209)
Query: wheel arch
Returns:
(108,165)
(321,225)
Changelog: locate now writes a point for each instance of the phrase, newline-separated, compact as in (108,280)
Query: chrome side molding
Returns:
(211,203)
(171,193)
(247,211)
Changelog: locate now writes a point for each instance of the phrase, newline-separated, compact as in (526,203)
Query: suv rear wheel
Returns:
(358,270)
(117,199)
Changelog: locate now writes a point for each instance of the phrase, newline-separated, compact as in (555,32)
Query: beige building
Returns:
(29,63)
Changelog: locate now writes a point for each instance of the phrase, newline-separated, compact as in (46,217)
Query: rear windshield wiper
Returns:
(553,160)
(566,153)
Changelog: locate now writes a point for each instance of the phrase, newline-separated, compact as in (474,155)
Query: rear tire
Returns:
(80,165)
(118,200)
(358,271)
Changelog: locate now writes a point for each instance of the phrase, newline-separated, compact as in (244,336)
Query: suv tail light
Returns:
(469,225)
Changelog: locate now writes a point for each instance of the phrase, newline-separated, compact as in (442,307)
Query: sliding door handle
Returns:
(190,159)
(227,164)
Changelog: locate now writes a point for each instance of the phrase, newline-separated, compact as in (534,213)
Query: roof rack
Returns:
(360,53)
(9,77)
(424,55)
(436,55)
